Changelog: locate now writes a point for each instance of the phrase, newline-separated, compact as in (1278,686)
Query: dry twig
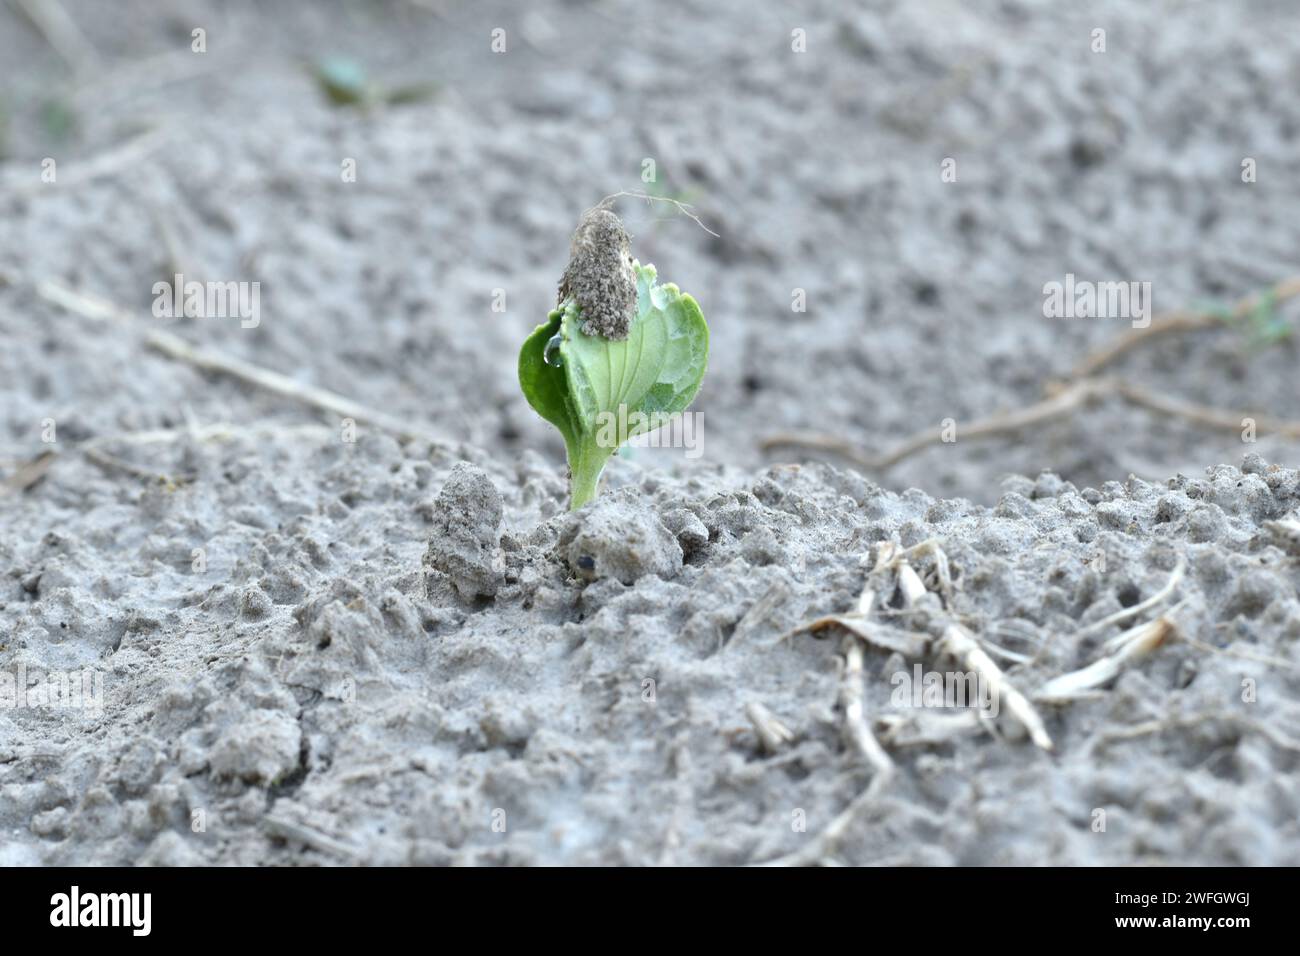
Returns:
(212,360)
(1064,402)
(1082,386)
(1182,321)
(1205,415)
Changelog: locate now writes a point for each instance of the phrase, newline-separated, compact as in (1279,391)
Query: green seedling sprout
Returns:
(618,356)
(345,82)
(1262,324)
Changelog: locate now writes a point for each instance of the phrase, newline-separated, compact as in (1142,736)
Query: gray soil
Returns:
(402,649)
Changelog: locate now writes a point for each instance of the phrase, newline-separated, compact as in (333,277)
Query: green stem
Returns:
(586,462)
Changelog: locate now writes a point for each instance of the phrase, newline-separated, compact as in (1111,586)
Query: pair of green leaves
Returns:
(346,83)
(600,392)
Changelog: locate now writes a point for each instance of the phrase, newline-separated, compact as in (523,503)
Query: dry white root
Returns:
(852,685)
(892,573)
(1175,578)
(308,836)
(961,644)
(859,620)
(771,733)
(925,728)
(958,642)
(1134,644)
(857,731)
(856,728)
(954,640)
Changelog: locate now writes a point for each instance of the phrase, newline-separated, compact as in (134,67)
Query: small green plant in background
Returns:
(1261,324)
(1265,326)
(345,82)
(600,390)
(59,118)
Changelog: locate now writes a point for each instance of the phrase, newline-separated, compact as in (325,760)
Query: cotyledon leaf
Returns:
(658,368)
(545,385)
(600,392)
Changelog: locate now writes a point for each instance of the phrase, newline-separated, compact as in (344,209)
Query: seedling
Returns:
(618,356)
(345,82)
(1261,323)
